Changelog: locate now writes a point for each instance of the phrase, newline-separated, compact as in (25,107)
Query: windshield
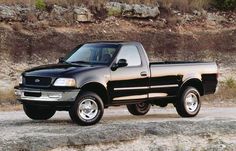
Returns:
(93,54)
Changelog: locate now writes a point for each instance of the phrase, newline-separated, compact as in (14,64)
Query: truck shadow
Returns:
(107,119)
(141,118)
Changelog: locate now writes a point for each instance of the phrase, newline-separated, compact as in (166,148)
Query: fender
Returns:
(194,81)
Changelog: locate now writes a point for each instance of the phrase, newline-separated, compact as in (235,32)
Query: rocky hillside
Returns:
(31,36)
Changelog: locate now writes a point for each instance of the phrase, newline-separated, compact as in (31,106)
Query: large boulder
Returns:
(82,14)
(7,13)
(140,11)
(59,16)
(132,10)
(14,13)
(57,12)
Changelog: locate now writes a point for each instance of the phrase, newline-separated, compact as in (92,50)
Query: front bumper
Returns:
(27,94)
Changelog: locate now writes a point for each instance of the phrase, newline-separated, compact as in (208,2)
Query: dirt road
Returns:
(160,129)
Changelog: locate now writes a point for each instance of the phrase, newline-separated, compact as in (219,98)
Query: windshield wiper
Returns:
(85,62)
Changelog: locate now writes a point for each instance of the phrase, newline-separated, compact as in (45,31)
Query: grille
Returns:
(38,81)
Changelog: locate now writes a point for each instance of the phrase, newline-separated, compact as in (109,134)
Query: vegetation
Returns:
(225,93)
(40,4)
(225,4)
(114,12)
(185,5)
(230,82)
(7,97)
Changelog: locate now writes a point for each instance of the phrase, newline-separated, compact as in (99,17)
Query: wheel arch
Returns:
(194,82)
(97,88)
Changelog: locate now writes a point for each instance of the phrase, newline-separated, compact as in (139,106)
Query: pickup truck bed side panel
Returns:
(166,79)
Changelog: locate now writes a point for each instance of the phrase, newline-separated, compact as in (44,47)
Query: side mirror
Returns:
(122,63)
(119,64)
(61,60)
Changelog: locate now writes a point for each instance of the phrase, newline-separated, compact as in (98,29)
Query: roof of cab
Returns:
(112,41)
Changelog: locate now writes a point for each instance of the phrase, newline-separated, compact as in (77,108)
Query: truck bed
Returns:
(177,72)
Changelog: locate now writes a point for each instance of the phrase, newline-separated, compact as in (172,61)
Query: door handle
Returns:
(143,74)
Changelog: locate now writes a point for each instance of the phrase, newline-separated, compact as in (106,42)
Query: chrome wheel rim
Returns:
(191,102)
(88,109)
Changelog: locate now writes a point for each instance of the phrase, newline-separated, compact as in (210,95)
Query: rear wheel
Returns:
(87,110)
(189,103)
(38,112)
(139,108)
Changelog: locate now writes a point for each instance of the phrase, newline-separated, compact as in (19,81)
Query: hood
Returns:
(56,70)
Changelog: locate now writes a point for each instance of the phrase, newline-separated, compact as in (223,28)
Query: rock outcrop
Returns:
(59,16)
(133,10)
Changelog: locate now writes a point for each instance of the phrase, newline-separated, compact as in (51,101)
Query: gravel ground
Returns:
(161,129)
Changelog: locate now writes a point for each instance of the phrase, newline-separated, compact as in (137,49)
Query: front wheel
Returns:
(38,112)
(139,108)
(189,103)
(87,110)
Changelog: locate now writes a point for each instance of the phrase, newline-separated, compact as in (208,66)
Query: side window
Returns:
(131,54)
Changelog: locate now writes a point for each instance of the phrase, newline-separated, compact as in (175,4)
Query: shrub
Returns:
(225,4)
(114,12)
(230,82)
(40,4)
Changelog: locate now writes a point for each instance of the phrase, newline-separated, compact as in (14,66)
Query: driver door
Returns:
(129,83)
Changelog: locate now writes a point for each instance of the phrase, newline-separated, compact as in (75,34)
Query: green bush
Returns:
(114,12)
(230,82)
(225,4)
(40,4)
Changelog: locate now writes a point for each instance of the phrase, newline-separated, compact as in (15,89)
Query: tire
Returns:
(139,108)
(94,109)
(38,112)
(189,103)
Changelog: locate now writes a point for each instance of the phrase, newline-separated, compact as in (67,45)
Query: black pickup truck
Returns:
(100,74)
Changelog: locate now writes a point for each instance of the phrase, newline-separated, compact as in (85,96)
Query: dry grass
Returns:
(7,108)
(7,97)
(185,5)
(8,101)
(226,94)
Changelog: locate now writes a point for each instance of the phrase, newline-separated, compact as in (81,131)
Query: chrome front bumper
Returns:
(46,95)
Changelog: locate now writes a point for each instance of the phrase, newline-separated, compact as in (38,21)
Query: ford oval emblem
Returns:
(37,81)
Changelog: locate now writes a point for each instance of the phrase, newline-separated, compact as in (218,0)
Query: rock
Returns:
(140,11)
(215,17)
(7,13)
(219,145)
(82,14)
(185,19)
(132,10)
(14,13)
(57,12)
(59,16)
(43,15)
(197,13)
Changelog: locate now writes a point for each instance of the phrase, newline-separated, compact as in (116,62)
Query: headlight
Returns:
(65,82)
(21,80)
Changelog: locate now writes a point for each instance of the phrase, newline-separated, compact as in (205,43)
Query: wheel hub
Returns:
(191,102)
(88,109)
